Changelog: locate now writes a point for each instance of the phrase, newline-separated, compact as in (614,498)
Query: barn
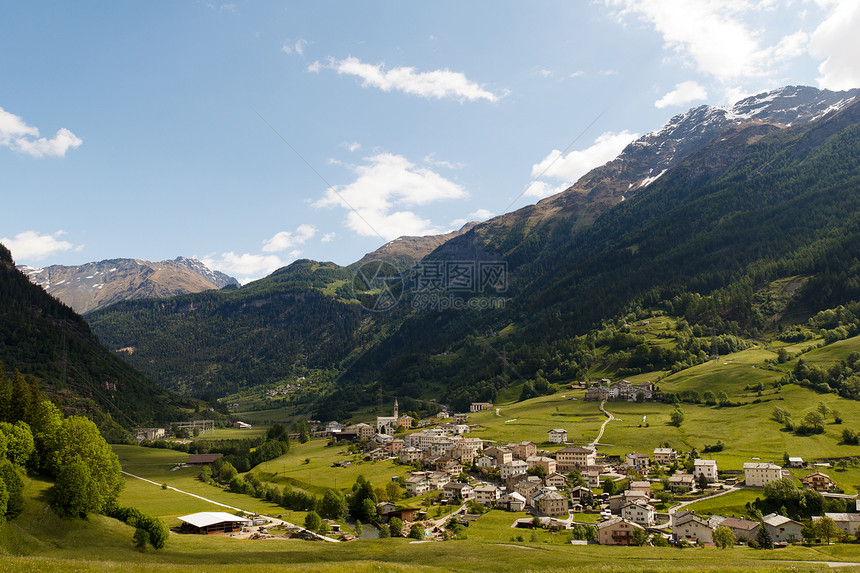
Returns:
(212,522)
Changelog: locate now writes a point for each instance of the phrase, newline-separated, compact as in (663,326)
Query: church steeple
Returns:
(395,408)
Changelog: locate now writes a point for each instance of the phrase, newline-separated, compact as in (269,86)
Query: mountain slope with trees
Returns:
(42,337)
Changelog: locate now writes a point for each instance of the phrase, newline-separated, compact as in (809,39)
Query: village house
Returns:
(557,436)
(640,512)
(687,525)
(555,479)
(377,455)
(410,455)
(581,495)
(707,468)
(741,527)
(523,450)
(417,484)
(485,462)
(574,458)
(818,481)
(616,531)
(616,502)
(665,456)
(394,446)
(487,494)
(643,486)
(479,406)
(682,482)
(513,469)
(782,528)
(406,421)
(761,474)
(637,461)
(548,464)
(461,418)
(512,502)
(847,522)
(438,479)
(592,478)
(622,390)
(551,502)
(212,522)
(529,489)
(501,455)
(796,462)
(458,491)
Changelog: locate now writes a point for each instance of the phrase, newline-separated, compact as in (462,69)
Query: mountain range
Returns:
(698,218)
(94,285)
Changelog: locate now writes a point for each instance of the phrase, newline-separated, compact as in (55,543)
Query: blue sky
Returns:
(249,134)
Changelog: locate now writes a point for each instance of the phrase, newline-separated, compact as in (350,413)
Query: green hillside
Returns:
(42,337)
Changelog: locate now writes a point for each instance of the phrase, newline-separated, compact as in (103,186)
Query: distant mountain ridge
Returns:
(642,162)
(98,284)
(404,252)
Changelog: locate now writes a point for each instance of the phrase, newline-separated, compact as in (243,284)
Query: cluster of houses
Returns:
(623,390)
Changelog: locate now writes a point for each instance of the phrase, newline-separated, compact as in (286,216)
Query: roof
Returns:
(207,518)
(558,430)
(639,484)
(843,516)
(576,450)
(680,478)
(664,451)
(690,517)
(760,466)
(736,523)
(775,520)
(706,462)
(616,520)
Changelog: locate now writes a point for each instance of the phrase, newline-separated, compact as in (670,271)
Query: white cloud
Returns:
(351,146)
(568,168)
(246,267)
(716,36)
(577,163)
(328,238)
(31,246)
(479,215)
(684,93)
(286,239)
(431,160)
(16,134)
(297,47)
(384,187)
(837,43)
(545,73)
(436,84)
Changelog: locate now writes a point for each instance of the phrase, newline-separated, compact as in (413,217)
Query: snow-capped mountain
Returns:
(93,285)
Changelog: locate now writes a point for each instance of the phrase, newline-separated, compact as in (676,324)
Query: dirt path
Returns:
(274,520)
(609,418)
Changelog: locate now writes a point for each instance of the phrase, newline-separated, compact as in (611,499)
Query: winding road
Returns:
(609,418)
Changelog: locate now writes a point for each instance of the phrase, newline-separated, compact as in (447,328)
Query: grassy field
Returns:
(39,541)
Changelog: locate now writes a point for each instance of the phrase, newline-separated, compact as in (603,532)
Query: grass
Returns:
(729,505)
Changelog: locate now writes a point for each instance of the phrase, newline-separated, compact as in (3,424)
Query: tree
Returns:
(827,528)
(723,398)
(19,442)
(609,486)
(640,537)
(75,493)
(312,521)
(417,532)
(384,531)
(702,481)
(676,418)
(358,529)
(333,504)
(392,489)
(723,537)
(763,538)
(141,537)
(809,532)
(395,524)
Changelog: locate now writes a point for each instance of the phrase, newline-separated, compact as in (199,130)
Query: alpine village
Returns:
(656,369)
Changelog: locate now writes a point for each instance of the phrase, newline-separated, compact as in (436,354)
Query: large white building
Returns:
(557,436)
(761,474)
(707,468)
